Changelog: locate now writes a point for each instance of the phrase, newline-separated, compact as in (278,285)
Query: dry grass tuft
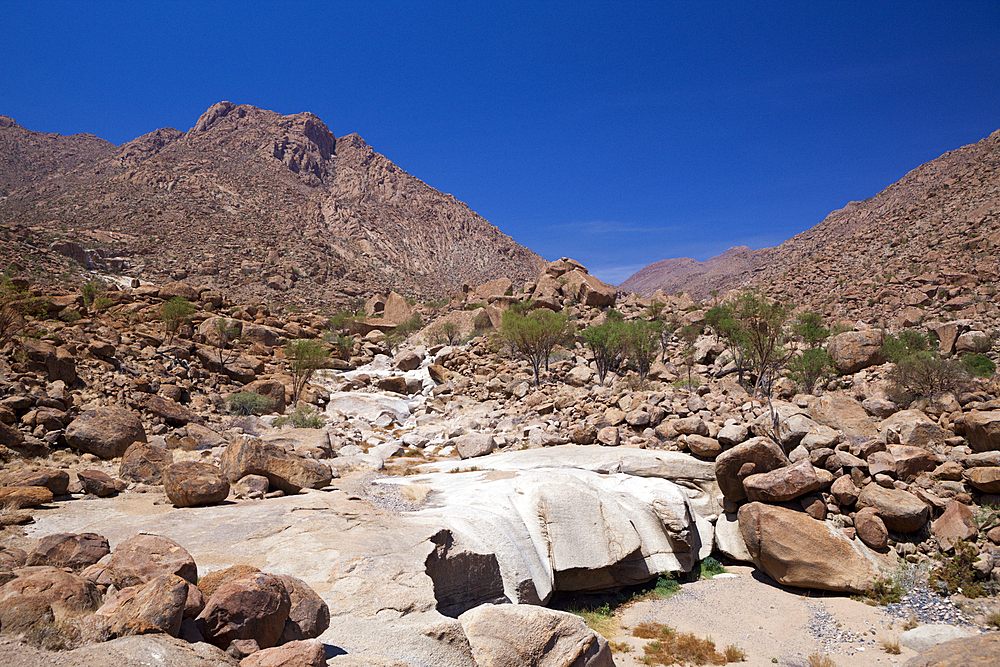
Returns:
(993,618)
(619,647)
(601,620)
(911,622)
(821,660)
(890,644)
(416,492)
(670,647)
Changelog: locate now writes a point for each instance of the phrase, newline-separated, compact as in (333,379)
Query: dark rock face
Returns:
(69,550)
(190,483)
(105,432)
(253,607)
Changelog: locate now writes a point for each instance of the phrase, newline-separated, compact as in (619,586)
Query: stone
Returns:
(407,360)
(954,525)
(191,484)
(881,463)
(978,651)
(852,351)
(732,434)
(901,511)
(308,616)
(472,445)
(691,426)
(911,461)
(72,550)
(870,528)
(20,497)
(783,484)
(99,483)
(699,445)
(211,582)
(637,419)
(105,432)
(58,363)
(982,429)
(253,607)
(796,550)
(973,342)
(65,594)
(984,478)
(247,455)
(293,654)
(10,437)
(912,428)
(502,635)
(272,389)
(135,650)
(609,436)
(143,557)
(729,539)
(172,412)
(178,288)
(922,639)
(762,454)
(156,606)
(53,479)
(879,407)
(579,376)
(839,411)
(844,491)
(395,384)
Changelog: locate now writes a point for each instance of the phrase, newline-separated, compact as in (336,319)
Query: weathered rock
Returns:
(253,607)
(71,550)
(729,539)
(783,483)
(143,557)
(156,606)
(308,616)
(24,496)
(732,434)
(839,411)
(912,428)
(213,580)
(502,635)
(58,363)
(911,461)
(271,389)
(105,432)
(191,483)
(852,351)
(844,491)
(956,524)
(248,455)
(10,437)
(901,511)
(136,650)
(871,529)
(171,411)
(926,637)
(690,426)
(984,478)
(99,483)
(293,654)
(797,550)
(706,448)
(978,651)
(982,429)
(66,594)
(53,479)
(609,436)
(762,454)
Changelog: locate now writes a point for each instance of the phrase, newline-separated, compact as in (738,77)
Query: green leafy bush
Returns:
(809,368)
(304,358)
(175,312)
(301,417)
(978,365)
(710,567)
(249,403)
(955,574)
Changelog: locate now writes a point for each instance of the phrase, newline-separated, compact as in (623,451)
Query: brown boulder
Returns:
(144,462)
(171,411)
(53,479)
(699,445)
(984,478)
(982,429)
(911,461)
(248,455)
(871,529)
(783,484)
(901,511)
(272,389)
(213,580)
(309,653)
(844,491)
(191,484)
(956,524)
(757,455)
(66,594)
(796,550)
(24,496)
(841,412)
(99,483)
(58,363)
(71,550)
(253,607)
(912,428)
(105,432)
(156,606)
(10,437)
(308,616)
(978,651)
(143,557)
(476,444)
(852,351)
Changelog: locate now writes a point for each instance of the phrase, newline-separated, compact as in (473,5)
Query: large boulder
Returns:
(58,363)
(755,456)
(253,607)
(105,432)
(912,428)
(796,550)
(502,635)
(99,483)
(192,483)
(172,412)
(784,483)
(911,461)
(72,550)
(984,478)
(142,557)
(840,411)
(901,511)
(476,444)
(144,462)
(982,429)
(24,496)
(52,590)
(308,616)
(976,651)
(852,351)
(293,654)
(247,455)
(156,606)
(125,651)
(956,524)
(53,479)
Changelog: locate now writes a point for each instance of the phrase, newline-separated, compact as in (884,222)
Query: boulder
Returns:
(976,651)
(156,606)
(144,462)
(472,445)
(293,654)
(192,483)
(984,478)
(24,496)
(729,539)
(796,550)
(308,616)
(901,511)
(58,363)
(912,428)
(609,436)
(732,434)
(75,551)
(253,607)
(125,651)
(871,529)
(178,289)
(926,637)
(955,524)
(99,483)
(143,557)
(10,437)
(172,412)
(840,411)
(982,429)
(852,351)
(783,484)
(844,491)
(213,580)
(407,360)
(502,635)
(911,461)
(757,455)
(53,479)
(105,432)
(272,389)
(65,594)
(699,445)
(247,455)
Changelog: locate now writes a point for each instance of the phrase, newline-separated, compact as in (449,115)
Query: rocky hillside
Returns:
(935,231)
(249,202)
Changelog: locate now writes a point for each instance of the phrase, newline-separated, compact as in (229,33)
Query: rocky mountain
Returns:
(260,205)
(934,232)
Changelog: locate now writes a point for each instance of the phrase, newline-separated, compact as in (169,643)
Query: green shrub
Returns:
(955,574)
(909,341)
(926,374)
(175,312)
(978,365)
(710,567)
(809,368)
(304,358)
(301,417)
(70,315)
(249,403)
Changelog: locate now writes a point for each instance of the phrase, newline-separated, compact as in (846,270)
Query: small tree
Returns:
(174,313)
(12,299)
(761,321)
(304,357)
(445,332)
(808,328)
(222,335)
(726,328)
(642,342)
(607,344)
(689,334)
(809,367)
(535,335)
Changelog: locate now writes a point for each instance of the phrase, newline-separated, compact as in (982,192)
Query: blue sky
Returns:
(618,134)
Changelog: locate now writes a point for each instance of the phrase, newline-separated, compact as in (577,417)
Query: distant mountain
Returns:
(935,232)
(265,206)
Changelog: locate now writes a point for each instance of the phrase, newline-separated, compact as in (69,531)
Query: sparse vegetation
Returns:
(249,403)
(669,647)
(302,416)
(819,660)
(445,333)
(883,592)
(174,313)
(535,335)
(890,644)
(599,619)
(710,567)
(955,574)
(978,365)
(304,357)
(607,344)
